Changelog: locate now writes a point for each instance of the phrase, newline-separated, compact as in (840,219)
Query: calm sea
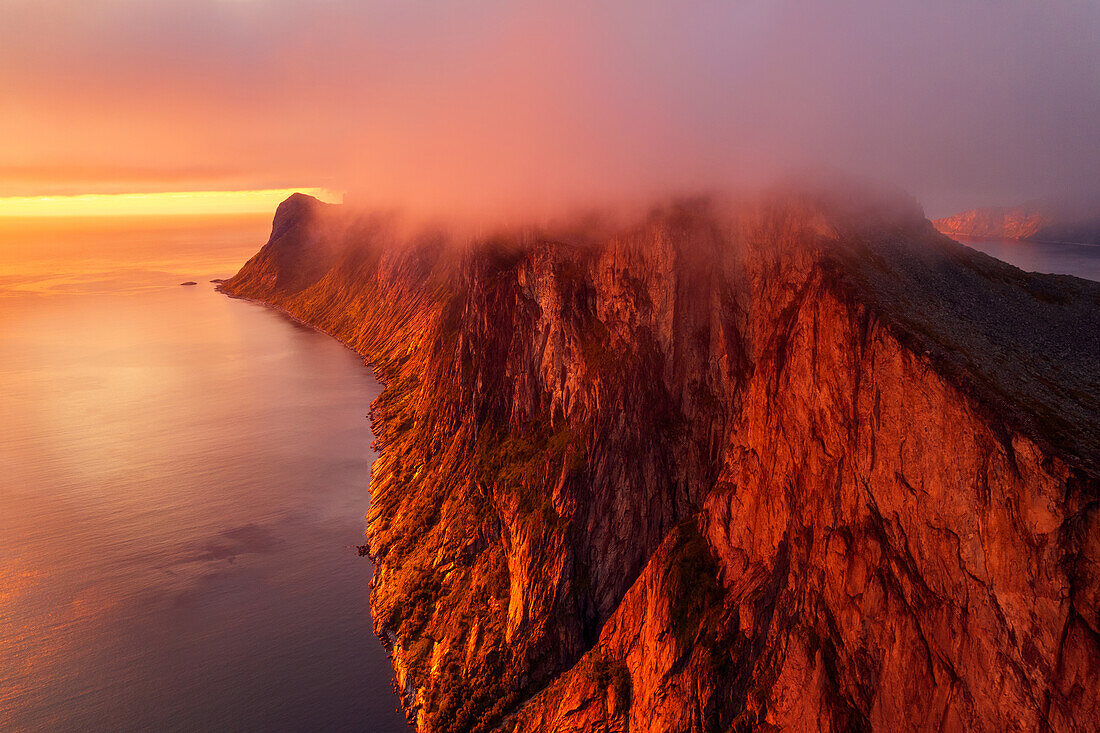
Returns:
(183,480)
(1082,260)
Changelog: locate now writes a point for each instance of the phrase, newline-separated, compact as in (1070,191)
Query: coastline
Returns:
(384,639)
(301,322)
(463,603)
(959,236)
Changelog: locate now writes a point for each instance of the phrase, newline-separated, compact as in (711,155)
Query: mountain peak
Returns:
(296,207)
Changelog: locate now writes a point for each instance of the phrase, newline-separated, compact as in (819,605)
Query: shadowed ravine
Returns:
(799,464)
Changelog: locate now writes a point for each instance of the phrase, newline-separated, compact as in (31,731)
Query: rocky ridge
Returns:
(800,464)
(1037,222)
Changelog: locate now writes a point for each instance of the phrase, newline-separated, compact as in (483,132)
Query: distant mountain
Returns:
(1033,222)
(996,222)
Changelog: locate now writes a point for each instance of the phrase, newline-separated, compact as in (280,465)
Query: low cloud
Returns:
(502,106)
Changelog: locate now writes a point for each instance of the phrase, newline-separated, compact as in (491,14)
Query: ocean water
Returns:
(183,482)
(1081,260)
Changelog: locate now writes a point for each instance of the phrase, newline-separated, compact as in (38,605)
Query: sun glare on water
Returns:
(156,204)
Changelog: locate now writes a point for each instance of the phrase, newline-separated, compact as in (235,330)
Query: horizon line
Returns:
(157,203)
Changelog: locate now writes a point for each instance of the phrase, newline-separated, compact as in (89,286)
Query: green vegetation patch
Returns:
(607,673)
(523,459)
(692,581)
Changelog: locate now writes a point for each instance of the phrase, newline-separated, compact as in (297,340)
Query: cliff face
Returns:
(1032,222)
(797,465)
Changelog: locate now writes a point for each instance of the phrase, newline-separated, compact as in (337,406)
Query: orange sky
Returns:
(446,104)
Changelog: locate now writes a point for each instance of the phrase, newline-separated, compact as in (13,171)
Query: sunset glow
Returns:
(511,366)
(156,204)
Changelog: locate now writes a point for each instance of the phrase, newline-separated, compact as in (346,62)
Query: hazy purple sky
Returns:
(440,103)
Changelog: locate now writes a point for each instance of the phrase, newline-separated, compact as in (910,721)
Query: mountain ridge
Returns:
(632,478)
(1032,222)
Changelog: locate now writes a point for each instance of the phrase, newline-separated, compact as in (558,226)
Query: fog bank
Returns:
(502,106)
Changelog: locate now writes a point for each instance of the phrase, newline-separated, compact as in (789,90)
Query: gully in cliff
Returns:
(797,463)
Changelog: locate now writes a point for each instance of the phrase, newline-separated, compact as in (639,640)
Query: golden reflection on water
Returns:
(182,484)
(108,255)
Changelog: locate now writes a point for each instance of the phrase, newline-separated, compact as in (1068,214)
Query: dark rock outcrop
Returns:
(794,465)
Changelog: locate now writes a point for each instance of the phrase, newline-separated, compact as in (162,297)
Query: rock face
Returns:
(996,222)
(794,465)
(1032,222)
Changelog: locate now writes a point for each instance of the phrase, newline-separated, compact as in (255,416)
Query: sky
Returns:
(495,104)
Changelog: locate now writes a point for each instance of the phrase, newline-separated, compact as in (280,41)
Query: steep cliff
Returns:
(801,464)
